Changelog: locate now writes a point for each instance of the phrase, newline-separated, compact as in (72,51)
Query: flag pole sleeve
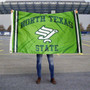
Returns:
(16,33)
(77,29)
(11,32)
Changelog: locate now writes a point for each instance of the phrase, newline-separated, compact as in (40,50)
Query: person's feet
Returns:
(53,81)
(38,80)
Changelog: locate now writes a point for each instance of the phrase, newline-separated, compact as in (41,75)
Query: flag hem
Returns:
(11,38)
(77,32)
(15,49)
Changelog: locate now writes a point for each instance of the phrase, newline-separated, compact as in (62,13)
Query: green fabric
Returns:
(34,38)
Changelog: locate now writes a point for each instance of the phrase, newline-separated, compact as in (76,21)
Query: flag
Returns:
(37,33)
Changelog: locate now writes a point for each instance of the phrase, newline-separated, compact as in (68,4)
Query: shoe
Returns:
(53,81)
(38,80)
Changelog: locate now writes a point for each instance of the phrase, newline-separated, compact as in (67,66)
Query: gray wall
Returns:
(84,19)
(6,20)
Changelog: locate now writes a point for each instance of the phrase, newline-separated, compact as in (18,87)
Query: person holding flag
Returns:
(45,34)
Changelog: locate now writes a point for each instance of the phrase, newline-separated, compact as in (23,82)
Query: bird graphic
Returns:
(46,33)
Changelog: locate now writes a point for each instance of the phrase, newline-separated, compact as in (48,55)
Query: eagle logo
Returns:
(46,33)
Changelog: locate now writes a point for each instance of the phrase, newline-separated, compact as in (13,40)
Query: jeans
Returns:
(51,64)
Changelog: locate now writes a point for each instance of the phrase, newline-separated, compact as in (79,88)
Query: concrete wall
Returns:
(5,20)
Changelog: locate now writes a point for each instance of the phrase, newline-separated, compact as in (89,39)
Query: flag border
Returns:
(77,32)
(16,23)
(11,37)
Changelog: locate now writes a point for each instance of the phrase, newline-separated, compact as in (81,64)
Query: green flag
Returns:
(36,33)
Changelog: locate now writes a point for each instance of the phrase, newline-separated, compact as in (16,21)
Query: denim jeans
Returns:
(50,61)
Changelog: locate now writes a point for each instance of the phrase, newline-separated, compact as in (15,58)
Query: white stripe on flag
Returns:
(16,33)
(11,32)
(77,32)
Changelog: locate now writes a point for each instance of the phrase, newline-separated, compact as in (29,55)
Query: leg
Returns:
(51,67)
(38,66)
(51,64)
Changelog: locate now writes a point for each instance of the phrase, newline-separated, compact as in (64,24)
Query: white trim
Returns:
(16,33)
(77,32)
(11,38)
